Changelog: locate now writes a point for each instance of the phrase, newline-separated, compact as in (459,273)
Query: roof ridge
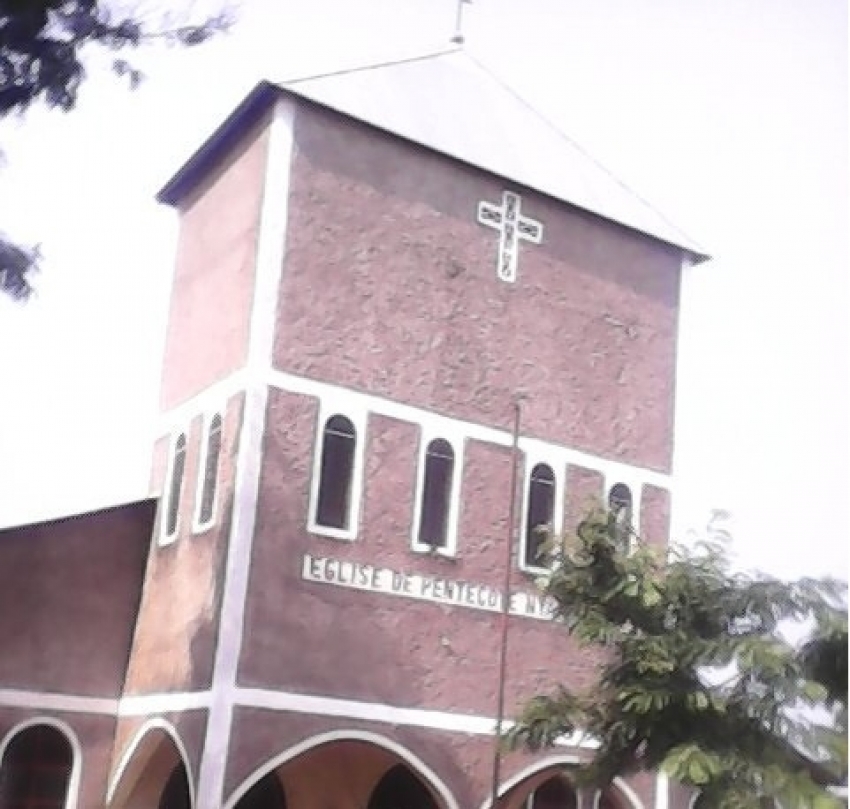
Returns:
(525,103)
(377,65)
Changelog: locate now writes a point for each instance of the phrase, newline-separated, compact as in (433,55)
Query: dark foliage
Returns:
(698,681)
(41,43)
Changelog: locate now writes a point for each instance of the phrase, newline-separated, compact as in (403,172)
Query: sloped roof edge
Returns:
(213,150)
(260,100)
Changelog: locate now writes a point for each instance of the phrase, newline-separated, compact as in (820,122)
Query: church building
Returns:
(411,323)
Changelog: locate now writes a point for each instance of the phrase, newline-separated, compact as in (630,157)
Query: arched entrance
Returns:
(356,771)
(548,785)
(267,793)
(555,793)
(399,788)
(152,772)
(36,768)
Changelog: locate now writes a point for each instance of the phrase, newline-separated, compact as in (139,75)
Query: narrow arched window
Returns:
(436,494)
(620,506)
(335,475)
(178,470)
(206,508)
(36,769)
(539,512)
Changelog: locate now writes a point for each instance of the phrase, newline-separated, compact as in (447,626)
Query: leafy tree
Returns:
(41,59)
(697,679)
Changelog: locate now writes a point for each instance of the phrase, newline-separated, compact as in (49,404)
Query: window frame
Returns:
(558,465)
(166,538)
(458,444)
(635,487)
(358,419)
(199,526)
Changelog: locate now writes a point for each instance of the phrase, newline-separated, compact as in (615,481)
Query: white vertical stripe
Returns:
(270,253)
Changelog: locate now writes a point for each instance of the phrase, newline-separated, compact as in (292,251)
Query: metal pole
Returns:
(505,615)
(458,37)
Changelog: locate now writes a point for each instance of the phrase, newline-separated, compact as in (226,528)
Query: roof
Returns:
(450,103)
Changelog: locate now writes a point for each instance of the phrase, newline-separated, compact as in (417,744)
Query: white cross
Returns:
(512,227)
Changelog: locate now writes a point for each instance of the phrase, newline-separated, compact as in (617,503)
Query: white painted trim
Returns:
(411,759)
(199,527)
(73,791)
(437,424)
(553,458)
(130,750)
(371,711)
(271,248)
(133,705)
(381,713)
(328,408)
(458,445)
(163,537)
(66,703)
(662,791)
(147,704)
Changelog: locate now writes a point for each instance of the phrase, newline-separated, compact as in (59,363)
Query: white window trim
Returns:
(165,538)
(556,461)
(333,406)
(427,434)
(636,488)
(199,527)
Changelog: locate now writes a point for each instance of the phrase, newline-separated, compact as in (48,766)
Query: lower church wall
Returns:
(326,761)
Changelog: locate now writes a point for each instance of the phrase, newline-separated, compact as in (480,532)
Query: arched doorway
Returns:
(345,770)
(267,793)
(36,769)
(555,793)
(152,773)
(399,788)
(177,793)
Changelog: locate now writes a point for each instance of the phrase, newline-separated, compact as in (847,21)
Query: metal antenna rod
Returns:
(506,607)
(457,39)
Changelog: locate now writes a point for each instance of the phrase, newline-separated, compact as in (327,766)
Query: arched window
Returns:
(36,769)
(436,494)
(175,487)
(401,789)
(176,794)
(539,512)
(267,793)
(620,506)
(556,793)
(209,482)
(333,509)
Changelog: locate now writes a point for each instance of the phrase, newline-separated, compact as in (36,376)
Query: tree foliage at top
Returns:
(697,679)
(41,45)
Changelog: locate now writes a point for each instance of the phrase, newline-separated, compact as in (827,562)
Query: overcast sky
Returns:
(729,115)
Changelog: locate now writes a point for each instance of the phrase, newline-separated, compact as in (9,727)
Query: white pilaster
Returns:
(270,253)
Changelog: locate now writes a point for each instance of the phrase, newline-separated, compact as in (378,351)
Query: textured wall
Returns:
(322,639)
(69,590)
(178,618)
(390,287)
(213,284)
